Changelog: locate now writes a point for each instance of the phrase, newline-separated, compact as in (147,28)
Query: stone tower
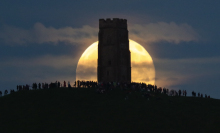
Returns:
(114,61)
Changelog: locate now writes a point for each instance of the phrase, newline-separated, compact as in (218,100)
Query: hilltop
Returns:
(85,110)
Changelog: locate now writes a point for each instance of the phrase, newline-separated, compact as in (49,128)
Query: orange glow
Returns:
(142,67)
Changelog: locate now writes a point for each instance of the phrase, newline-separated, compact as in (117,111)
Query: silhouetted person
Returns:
(198,94)
(78,83)
(185,93)
(179,92)
(43,86)
(64,84)
(46,86)
(0,93)
(39,86)
(75,84)
(205,96)
(6,92)
(193,94)
(69,86)
(202,95)
(58,84)
(12,91)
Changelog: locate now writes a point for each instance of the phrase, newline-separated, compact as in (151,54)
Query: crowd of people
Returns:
(141,87)
(199,95)
(103,87)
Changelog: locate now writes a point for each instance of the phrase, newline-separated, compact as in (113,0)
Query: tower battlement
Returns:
(112,23)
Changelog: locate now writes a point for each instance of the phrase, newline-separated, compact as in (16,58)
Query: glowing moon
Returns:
(142,67)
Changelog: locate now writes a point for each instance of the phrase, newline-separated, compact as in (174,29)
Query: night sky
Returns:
(42,40)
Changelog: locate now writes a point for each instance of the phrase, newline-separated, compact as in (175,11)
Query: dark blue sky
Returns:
(41,41)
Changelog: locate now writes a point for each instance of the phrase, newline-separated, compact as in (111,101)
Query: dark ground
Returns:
(84,110)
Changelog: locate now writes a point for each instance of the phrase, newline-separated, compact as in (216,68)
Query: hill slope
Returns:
(84,110)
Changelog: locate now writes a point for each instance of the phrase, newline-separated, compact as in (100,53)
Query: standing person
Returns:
(39,86)
(64,83)
(58,84)
(185,93)
(179,92)
(201,95)
(75,84)
(6,92)
(69,84)
(43,86)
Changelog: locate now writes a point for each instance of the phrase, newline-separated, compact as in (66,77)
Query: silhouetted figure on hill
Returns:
(159,90)
(46,86)
(193,94)
(43,86)
(58,84)
(208,96)
(27,87)
(164,90)
(34,86)
(185,93)
(0,93)
(75,84)
(64,84)
(205,96)
(155,88)
(19,87)
(39,86)
(180,92)
(198,94)
(12,91)
(6,92)
(69,86)
(201,95)
(78,84)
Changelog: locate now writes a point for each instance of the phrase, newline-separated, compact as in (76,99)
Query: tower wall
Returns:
(113,51)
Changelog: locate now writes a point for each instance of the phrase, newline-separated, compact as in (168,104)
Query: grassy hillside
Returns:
(84,110)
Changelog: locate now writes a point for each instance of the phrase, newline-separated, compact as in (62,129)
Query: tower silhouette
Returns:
(114,61)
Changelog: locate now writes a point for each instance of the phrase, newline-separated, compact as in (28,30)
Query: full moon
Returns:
(142,66)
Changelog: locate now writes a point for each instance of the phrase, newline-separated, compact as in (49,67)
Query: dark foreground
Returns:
(84,110)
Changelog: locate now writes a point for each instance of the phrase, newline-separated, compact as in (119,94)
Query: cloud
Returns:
(41,34)
(148,33)
(161,31)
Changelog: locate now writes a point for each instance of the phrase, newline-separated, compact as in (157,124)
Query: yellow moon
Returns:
(142,66)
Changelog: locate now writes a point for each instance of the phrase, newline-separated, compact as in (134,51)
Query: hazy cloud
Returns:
(161,31)
(148,33)
(41,34)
